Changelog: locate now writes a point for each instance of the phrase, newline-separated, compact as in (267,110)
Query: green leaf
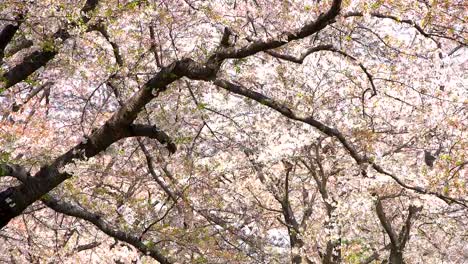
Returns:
(237,68)
(201,106)
(376,5)
(446,190)
(2,171)
(445,157)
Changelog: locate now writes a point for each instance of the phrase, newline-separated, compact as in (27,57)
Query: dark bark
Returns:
(100,27)
(5,37)
(118,126)
(38,59)
(154,132)
(257,46)
(329,131)
(29,65)
(397,242)
(88,7)
(7,34)
(396,256)
(87,246)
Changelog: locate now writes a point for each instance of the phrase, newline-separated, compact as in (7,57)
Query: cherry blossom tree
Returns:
(186,131)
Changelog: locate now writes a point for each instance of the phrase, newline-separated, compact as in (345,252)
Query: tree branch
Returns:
(114,129)
(7,34)
(154,132)
(100,27)
(405,230)
(262,45)
(15,171)
(109,229)
(333,132)
(386,224)
(38,59)
(327,47)
(408,22)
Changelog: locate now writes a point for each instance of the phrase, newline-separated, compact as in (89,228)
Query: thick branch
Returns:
(397,243)
(87,8)
(333,132)
(117,127)
(286,111)
(7,34)
(38,59)
(154,132)
(15,171)
(262,45)
(114,129)
(29,65)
